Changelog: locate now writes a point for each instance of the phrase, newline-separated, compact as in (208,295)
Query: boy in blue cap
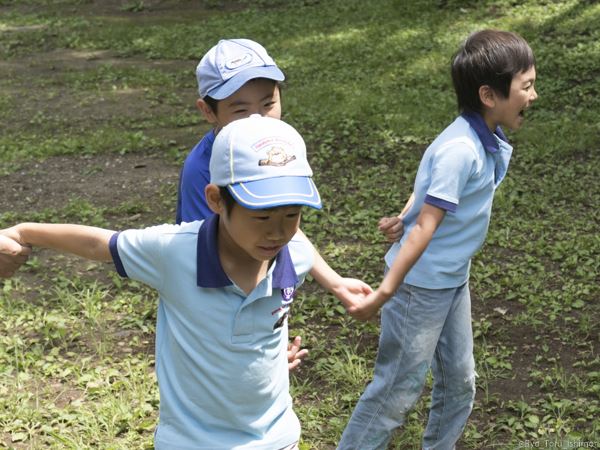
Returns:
(226,285)
(236,78)
(424,296)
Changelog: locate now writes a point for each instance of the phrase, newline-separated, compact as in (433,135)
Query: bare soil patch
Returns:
(103,180)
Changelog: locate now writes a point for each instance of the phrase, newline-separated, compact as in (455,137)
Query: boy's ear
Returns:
(206,110)
(214,199)
(487,96)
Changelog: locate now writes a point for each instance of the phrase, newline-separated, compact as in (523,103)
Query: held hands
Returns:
(391,227)
(359,299)
(351,292)
(367,309)
(295,355)
(12,254)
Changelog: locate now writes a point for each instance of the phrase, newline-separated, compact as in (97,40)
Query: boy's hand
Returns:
(12,254)
(368,308)
(391,227)
(295,355)
(351,292)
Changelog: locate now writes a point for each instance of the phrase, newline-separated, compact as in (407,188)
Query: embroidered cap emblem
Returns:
(276,157)
(238,62)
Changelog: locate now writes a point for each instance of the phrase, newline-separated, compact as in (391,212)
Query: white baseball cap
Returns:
(230,64)
(262,161)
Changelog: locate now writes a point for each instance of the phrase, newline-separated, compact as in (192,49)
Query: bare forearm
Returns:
(407,256)
(411,250)
(87,242)
(324,274)
(321,271)
(348,291)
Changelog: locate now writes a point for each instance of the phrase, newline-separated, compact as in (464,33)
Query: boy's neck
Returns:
(245,271)
(490,124)
(246,275)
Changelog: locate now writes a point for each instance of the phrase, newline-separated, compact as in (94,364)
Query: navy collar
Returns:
(210,273)
(487,138)
(211,135)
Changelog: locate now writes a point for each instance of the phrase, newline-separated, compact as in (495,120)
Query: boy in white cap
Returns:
(226,285)
(236,78)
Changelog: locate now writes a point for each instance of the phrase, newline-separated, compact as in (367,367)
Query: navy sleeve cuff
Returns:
(439,203)
(112,245)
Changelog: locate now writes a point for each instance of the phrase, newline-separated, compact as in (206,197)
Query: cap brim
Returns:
(280,191)
(238,80)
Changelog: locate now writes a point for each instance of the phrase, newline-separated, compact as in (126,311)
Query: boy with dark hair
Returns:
(424,296)
(226,285)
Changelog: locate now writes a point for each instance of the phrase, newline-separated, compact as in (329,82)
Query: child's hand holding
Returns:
(391,227)
(368,308)
(12,254)
(351,292)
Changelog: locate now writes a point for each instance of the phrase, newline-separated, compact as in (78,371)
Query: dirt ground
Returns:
(111,179)
(106,179)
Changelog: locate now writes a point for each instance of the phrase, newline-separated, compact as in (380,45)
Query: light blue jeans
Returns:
(420,328)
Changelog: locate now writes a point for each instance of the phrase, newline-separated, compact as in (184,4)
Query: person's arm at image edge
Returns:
(81,240)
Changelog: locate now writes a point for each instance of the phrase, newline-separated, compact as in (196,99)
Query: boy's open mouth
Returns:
(522,113)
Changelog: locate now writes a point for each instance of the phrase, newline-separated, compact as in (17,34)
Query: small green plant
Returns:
(135,6)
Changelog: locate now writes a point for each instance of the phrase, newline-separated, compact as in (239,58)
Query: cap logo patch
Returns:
(238,62)
(276,157)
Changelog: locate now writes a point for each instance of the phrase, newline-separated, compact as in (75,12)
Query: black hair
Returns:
(488,57)
(214,104)
(227,198)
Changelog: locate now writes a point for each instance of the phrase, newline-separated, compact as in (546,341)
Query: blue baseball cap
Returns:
(232,63)
(262,161)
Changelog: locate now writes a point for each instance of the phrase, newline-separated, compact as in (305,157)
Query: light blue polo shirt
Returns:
(459,172)
(221,355)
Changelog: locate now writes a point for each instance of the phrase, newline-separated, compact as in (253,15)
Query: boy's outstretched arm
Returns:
(350,291)
(429,219)
(87,242)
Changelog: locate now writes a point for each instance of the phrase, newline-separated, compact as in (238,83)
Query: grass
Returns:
(368,87)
